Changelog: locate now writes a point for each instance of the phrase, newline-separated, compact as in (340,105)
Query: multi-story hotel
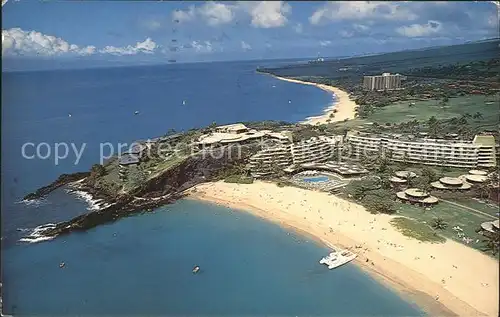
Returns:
(266,160)
(313,150)
(386,81)
(480,152)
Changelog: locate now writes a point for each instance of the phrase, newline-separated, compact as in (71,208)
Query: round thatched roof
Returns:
(430,200)
(476,178)
(478,172)
(488,226)
(395,179)
(416,193)
(405,174)
(401,195)
(496,224)
(451,181)
(439,185)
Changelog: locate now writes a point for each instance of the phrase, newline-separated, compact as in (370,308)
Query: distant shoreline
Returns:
(342,108)
(349,225)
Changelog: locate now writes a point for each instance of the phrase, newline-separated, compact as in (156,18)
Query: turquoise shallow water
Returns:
(142,266)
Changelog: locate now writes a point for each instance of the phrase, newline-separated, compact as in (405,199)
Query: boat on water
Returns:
(196,269)
(337,258)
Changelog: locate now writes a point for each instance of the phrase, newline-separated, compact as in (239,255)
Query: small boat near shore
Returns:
(337,258)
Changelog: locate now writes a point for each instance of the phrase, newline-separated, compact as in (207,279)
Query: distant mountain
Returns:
(394,62)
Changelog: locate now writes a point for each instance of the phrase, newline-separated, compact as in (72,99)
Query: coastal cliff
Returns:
(164,188)
(62,180)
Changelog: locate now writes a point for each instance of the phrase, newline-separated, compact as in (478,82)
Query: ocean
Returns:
(141,265)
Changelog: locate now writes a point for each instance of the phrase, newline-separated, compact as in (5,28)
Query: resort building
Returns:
(240,134)
(343,169)
(235,128)
(266,160)
(124,162)
(417,196)
(386,81)
(313,150)
(480,152)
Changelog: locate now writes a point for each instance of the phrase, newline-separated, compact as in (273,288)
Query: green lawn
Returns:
(423,110)
(486,207)
(417,230)
(451,214)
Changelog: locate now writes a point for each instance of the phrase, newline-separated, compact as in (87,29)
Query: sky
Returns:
(135,32)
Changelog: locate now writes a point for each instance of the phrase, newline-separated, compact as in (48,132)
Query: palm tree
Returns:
(439,224)
(492,242)
(477,115)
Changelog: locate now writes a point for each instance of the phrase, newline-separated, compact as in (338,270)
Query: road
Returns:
(469,208)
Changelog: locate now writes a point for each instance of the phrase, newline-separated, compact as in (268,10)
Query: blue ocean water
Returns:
(142,265)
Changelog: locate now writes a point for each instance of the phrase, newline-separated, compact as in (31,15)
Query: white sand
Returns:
(464,280)
(345,107)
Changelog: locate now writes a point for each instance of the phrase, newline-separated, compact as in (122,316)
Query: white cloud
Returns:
(201,47)
(263,14)
(360,10)
(152,24)
(325,43)
(360,27)
(298,28)
(4,2)
(148,46)
(346,34)
(213,13)
(19,42)
(420,30)
(216,13)
(245,46)
(180,16)
(268,14)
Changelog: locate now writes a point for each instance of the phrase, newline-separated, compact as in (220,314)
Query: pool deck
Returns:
(331,182)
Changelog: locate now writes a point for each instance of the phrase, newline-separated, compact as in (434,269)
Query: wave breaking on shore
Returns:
(37,234)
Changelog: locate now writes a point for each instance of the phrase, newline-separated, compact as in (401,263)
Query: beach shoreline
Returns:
(342,107)
(464,293)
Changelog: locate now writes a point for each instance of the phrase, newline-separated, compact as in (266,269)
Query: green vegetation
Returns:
(372,194)
(439,224)
(491,242)
(474,111)
(416,230)
(239,179)
(453,215)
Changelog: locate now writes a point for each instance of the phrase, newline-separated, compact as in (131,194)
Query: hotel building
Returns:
(386,81)
(313,150)
(480,152)
(239,134)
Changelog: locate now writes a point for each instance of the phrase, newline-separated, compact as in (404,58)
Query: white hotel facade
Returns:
(313,150)
(479,152)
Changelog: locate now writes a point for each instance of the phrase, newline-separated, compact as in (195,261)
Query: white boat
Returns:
(337,258)
(184,102)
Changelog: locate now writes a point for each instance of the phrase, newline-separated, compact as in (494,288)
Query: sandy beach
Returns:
(345,107)
(444,279)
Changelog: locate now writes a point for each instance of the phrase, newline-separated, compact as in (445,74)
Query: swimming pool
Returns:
(316,179)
